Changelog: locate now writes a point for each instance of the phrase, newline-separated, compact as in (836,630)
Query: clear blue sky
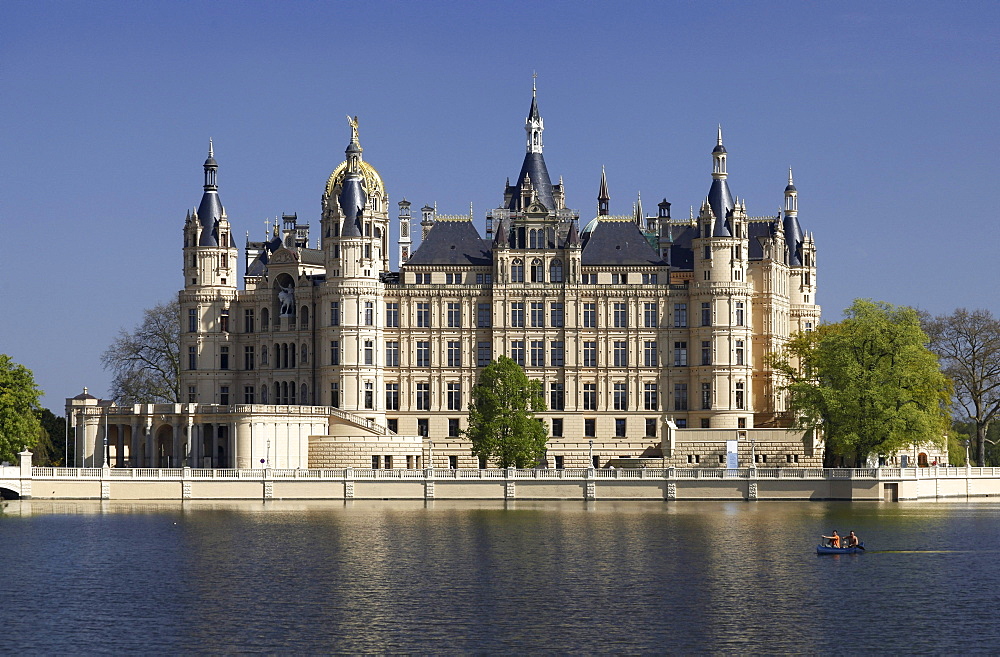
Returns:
(886,111)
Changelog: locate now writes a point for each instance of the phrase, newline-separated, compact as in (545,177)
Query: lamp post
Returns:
(753,454)
(591,464)
(268,463)
(430,454)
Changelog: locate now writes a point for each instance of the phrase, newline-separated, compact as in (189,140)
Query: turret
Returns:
(603,198)
(405,241)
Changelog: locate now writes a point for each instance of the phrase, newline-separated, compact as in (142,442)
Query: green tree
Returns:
(146,360)
(51,445)
(969,346)
(502,423)
(869,382)
(19,425)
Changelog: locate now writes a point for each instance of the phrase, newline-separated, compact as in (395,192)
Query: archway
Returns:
(9,494)
(163,448)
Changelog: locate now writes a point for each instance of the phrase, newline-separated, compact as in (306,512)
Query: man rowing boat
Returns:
(834,540)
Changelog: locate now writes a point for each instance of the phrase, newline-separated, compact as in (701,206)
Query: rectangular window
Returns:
(517,351)
(590,428)
(392,396)
(248,320)
(739,313)
(423,426)
(557,397)
(192,394)
(590,354)
(454,316)
(537,353)
(650,312)
(223,358)
(369,313)
(706,314)
(680,397)
(369,395)
(369,352)
(706,352)
(334,313)
(422,279)
(557,352)
(453,427)
(454,396)
(620,315)
(423,315)
(651,397)
(392,315)
(248,395)
(537,315)
(334,352)
(680,354)
(739,352)
(454,353)
(452,279)
(590,396)
(590,315)
(706,396)
(680,315)
(517,315)
(483,316)
(392,354)
(453,462)
(224,321)
(651,427)
(423,353)
(192,358)
(649,279)
(484,353)
(392,424)
(248,358)
(650,354)
(589,279)
(619,397)
(620,353)
(556,315)
(423,396)
(376,462)
(560,462)
(334,395)
(740,401)
(557,427)
(192,320)
(619,427)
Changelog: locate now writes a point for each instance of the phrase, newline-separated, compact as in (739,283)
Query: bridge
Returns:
(663,484)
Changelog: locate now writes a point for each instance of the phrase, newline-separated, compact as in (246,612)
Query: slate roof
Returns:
(209,213)
(793,238)
(618,243)
(453,243)
(721,201)
(534,166)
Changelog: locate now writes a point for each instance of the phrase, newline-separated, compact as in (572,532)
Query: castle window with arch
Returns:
(517,271)
(556,271)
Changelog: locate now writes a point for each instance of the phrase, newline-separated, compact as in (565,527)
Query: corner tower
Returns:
(209,290)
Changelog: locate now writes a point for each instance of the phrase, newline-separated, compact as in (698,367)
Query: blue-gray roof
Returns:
(352,201)
(793,239)
(618,243)
(453,243)
(209,214)
(534,166)
(721,202)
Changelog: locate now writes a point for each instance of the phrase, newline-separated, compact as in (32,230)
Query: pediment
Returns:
(284,256)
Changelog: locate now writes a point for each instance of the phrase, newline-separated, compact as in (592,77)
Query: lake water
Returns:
(289,577)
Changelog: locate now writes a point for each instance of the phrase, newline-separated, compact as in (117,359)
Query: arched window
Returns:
(537,273)
(517,272)
(263,394)
(304,353)
(291,393)
(265,319)
(533,239)
(304,317)
(291,355)
(303,396)
(556,271)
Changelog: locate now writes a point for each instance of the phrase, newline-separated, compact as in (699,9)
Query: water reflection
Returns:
(605,577)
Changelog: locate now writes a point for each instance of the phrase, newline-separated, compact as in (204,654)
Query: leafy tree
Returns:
(146,360)
(869,381)
(502,423)
(969,346)
(51,445)
(19,425)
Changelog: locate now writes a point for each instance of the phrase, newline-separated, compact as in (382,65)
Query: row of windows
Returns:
(536,274)
(533,312)
(525,353)
(555,426)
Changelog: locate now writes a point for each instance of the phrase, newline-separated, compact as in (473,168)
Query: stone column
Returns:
(25,473)
(243,437)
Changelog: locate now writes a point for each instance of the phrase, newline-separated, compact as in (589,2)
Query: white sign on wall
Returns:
(732,456)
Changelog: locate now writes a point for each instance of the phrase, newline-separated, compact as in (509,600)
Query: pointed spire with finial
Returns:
(603,198)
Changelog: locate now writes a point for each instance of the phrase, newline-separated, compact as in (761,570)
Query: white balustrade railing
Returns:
(510,473)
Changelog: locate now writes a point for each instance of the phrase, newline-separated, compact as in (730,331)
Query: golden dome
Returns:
(373,181)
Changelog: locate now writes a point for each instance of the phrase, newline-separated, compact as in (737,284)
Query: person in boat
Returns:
(852,540)
(834,541)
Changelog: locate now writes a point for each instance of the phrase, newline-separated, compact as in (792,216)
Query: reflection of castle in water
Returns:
(649,333)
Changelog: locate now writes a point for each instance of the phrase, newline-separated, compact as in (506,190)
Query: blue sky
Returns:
(886,111)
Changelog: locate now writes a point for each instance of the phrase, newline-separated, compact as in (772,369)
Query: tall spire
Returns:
(210,208)
(534,125)
(719,197)
(639,214)
(533,168)
(354,149)
(793,231)
(602,196)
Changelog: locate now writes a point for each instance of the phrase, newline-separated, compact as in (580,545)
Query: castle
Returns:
(649,333)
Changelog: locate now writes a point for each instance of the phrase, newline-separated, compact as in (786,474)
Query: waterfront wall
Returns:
(866,484)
